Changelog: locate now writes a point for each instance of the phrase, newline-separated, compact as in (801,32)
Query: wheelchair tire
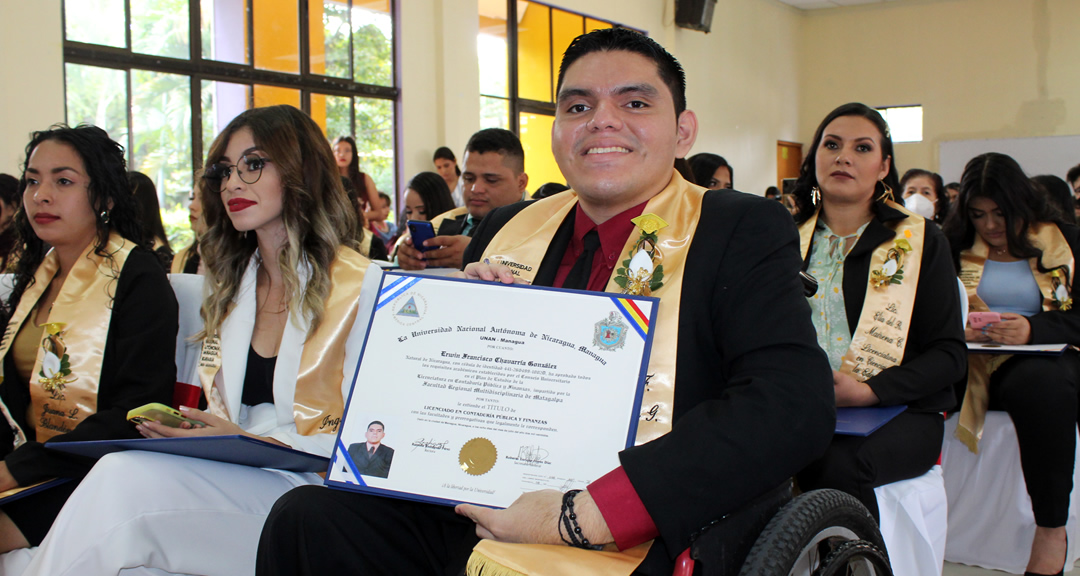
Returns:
(807,531)
(856,558)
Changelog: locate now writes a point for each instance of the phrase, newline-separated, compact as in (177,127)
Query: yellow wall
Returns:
(982,69)
(539,161)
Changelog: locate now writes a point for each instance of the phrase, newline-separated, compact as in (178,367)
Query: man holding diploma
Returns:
(738,398)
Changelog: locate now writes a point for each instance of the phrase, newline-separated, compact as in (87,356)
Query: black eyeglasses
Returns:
(249,169)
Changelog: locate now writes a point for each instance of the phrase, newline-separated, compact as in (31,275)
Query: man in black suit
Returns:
(372,458)
(753,402)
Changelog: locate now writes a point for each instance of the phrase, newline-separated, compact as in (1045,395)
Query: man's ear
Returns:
(687,133)
(522,182)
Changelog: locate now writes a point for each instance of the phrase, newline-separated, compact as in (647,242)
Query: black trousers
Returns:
(1040,395)
(905,447)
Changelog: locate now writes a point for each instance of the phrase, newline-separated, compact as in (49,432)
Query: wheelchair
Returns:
(818,533)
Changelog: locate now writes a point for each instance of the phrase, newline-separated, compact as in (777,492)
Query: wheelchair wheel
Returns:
(807,531)
(856,558)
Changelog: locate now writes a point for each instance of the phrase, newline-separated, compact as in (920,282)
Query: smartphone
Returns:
(157,412)
(981,319)
(420,231)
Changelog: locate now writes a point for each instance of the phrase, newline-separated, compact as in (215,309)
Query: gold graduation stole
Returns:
(65,380)
(881,334)
(1055,285)
(317,401)
(181,258)
(522,246)
(448,215)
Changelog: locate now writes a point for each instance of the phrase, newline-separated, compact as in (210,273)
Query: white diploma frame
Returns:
(486,391)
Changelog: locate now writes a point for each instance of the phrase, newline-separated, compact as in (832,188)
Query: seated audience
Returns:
(752,401)
(494,176)
(446,166)
(425,198)
(772,193)
(549,189)
(92,332)
(285,322)
(146,199)
(712,171)
(368,244)
(348,164)
(188,260)
(1016,258)
(384,230)
(952,190)
(919,182)
(1073,178)
(9,237)
(886,311)
(1058,194)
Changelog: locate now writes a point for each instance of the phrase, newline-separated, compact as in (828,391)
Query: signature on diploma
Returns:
(532,454)
(430,444)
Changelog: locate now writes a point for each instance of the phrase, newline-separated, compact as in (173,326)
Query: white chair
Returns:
(990,519)
(913,515)
(189,295)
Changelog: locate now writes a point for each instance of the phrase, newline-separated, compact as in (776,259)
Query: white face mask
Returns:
(920,205)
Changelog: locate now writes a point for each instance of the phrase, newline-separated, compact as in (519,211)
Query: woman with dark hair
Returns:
(285,319)
(9,238)
(348,163)
(1059,194)
(1016,257)
(146,201)
(426,197)
(92,332)
(188,260)
(446,166)
(712,171)
(887,309)
(919,182)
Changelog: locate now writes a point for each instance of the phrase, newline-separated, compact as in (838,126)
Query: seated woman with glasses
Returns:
(285,320)
(93,322)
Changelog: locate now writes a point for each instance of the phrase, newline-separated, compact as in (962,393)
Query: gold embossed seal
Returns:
(478,456)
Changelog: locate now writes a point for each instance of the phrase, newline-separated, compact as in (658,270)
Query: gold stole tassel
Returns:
(65,380)
(880,336)
(1057,259)
(525,244)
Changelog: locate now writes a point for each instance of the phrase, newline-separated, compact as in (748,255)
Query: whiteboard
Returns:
(1046,155)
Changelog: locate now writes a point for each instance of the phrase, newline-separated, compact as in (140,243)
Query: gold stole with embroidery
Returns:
(881,334)
(522,245)
(65,380)
(1055,286)
(317,401)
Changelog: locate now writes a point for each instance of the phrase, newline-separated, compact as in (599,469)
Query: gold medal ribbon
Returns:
(317,402)
(881,334)
(522,247)
(1057,260)
(67,371)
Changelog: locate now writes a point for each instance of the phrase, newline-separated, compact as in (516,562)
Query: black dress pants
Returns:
(905,447)
(1040,395)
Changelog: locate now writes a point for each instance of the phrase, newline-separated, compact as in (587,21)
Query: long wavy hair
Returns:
(808,173)
(106,168)
(1000,178)
(315,210)
(356,175)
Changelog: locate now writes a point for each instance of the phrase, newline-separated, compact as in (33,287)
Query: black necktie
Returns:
(578,278)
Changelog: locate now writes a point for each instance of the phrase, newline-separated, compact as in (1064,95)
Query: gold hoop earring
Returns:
(815,195)
(887,194)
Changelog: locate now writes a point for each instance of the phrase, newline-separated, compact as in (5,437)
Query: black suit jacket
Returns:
(754,395)
(453,227)
(377,465)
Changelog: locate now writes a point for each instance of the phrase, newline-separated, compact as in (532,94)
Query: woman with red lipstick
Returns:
(887,309)
(285,320)
(1016,258)
(93,322)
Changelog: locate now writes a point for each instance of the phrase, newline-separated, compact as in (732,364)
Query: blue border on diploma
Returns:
(395,279)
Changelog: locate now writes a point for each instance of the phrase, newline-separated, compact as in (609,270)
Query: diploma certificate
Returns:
(477,392)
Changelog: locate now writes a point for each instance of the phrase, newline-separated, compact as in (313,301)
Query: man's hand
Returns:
(449,251)
(1013,329)
(534,519)
(491,273)
(851,392)
(409,258)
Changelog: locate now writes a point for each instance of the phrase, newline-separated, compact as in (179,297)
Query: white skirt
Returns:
(171,513)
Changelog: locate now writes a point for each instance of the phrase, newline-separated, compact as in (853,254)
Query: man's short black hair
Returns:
(611,39)
(374,422)
(499,140)
(1073,174)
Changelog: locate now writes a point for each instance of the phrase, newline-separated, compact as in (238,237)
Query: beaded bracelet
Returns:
(568,520)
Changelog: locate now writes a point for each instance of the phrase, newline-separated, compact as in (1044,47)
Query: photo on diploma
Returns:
(479,404)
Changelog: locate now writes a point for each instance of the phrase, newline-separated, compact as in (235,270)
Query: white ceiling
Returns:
(816,4)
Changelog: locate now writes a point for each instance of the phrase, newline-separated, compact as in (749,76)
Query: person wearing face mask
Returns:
(887,311)
(919,182)
(1016,257)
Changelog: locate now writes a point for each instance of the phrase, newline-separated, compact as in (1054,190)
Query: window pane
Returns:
(329,31)
(905,123)
(491,50)
(273,95)
(373,41)
(375,140)
(332,114)
(536,140)
(224,31)
(160,27)
(95,22)
(221,102)
(161,131)
(277,35)
(534,53)
(494,113)
(97,96)
(591,25)
(564,28)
